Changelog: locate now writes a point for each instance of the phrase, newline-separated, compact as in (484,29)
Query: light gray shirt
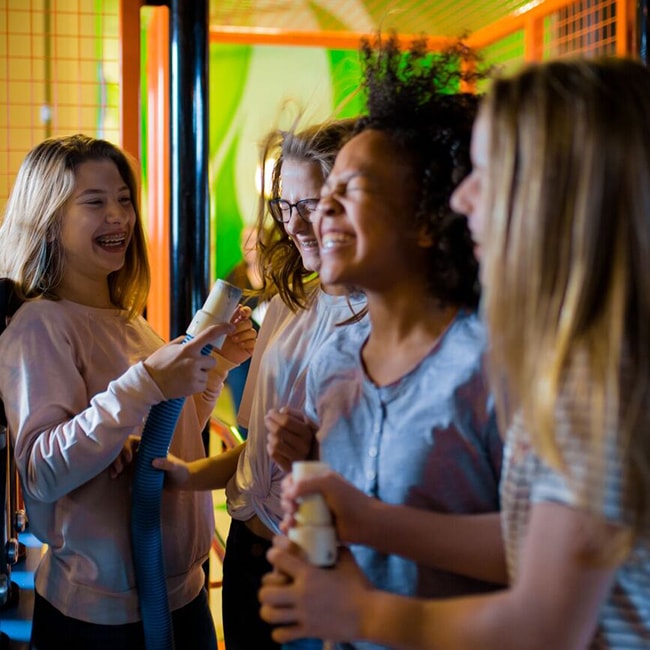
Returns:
(428,440)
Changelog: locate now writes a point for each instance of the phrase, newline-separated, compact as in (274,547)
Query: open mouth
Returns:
(334,240)
(112,241)
(308,243)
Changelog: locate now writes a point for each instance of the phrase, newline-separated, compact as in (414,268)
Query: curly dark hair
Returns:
(414,97)
(280,261)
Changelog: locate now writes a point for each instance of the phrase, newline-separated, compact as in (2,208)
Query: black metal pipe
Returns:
(190,208)
(642,30)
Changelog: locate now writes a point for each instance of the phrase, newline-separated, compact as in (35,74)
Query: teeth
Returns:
(330,240)
(309,243)
(114,240)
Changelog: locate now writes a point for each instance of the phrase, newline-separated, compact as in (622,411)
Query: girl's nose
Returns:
(328,206)
(296,224)
(459,201)
(116,212)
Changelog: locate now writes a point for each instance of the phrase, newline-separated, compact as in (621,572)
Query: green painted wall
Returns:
(254,89)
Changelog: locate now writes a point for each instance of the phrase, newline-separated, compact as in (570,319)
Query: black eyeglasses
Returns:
(281,209)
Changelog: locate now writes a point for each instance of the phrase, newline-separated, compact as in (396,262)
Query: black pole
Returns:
(189,209)
(642,30)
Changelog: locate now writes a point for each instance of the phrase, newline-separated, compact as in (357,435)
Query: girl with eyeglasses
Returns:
(300,317)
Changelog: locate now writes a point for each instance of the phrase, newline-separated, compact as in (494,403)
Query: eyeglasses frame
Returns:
(277,201)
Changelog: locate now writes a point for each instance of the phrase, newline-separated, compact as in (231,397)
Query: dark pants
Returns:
(243,567)
(51,630)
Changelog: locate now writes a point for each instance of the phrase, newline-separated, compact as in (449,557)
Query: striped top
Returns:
(592,483)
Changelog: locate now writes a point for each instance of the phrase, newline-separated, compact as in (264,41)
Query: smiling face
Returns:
(363,216)
(302,180)
(469,198)
(96,225)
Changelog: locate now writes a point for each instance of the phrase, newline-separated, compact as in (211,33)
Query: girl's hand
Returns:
(180,369)
(289,436)
(347,504)
(305,601)
(239,345)
(126,456)
(177,471)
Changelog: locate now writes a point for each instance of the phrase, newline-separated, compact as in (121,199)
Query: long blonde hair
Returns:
(568,239)
(30,248)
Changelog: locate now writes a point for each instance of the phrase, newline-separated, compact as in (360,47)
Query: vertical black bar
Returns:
(189,210)
(642,30)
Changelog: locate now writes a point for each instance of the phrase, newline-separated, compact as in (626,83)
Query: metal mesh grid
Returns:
(59,59)
(582,28)
(586,27)
(58,75)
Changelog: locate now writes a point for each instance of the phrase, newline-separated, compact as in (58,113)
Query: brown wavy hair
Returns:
(281,263)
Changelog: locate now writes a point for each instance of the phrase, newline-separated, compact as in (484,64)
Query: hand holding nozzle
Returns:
(181,367)
(314,531)
(218,308)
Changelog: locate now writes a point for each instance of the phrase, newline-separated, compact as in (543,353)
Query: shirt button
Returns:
(372,452)
(371,474)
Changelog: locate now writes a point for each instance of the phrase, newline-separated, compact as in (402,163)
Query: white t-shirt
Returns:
(286,344)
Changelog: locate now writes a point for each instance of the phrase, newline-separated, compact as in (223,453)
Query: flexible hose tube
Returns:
(145,523)
(146,530)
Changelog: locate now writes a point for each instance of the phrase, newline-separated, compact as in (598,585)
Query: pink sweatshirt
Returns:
(74,388)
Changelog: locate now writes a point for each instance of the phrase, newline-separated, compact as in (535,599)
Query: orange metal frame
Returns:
(529,19)
(157,106)
(158,211)
(335,40)
(130,75)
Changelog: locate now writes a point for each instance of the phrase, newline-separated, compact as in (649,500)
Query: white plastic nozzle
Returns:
(302,469)
(313,510)
(318,542)
(314,532)
(218,308)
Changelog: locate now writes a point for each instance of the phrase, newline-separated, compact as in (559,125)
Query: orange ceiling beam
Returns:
(515,21)
(530,13)
(335,40)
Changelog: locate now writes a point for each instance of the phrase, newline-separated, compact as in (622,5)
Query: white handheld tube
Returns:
(314,532)
(218,308)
